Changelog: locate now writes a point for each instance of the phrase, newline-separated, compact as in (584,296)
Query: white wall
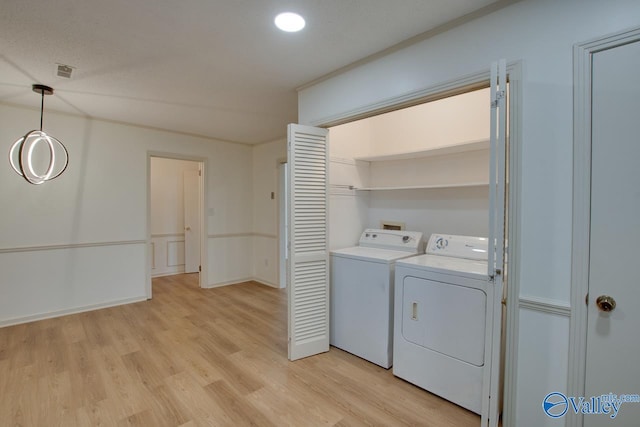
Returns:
(447,121)
(229,213)
(167,214)
(345,143)
(79,241)
(462,211)
(540,33)
(266,158)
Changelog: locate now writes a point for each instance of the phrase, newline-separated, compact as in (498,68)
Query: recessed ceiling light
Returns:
(290,22)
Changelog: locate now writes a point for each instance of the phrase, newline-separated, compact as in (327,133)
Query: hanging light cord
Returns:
(41,108)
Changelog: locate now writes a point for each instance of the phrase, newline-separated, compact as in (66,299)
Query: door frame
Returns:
(189,266)
(455,87)
(283,258)
(204,273)
(582,59)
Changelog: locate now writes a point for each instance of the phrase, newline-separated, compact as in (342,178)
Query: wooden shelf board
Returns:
(425,187)
(439,151)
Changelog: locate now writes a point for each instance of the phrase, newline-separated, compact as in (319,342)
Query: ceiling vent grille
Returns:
(64,71)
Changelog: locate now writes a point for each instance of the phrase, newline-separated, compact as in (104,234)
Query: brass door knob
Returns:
(606,303)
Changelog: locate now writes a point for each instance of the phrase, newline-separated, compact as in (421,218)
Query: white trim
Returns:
(70,246)
(240,281)
(68,311)
(155,236)
(545,305)
(265,283)
(265,235)
(452,87)
(513,257)
(582,55)
(230,282)
(228,235)
(169,273)
(282,232)
(152,254)
(168,263)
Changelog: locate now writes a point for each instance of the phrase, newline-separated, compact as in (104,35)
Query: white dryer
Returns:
(440,318)
(361,298)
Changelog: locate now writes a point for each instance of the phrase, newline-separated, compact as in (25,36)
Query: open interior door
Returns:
(492,377)
(191,221)
(308,270)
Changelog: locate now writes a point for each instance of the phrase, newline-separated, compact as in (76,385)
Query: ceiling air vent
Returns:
(64,71)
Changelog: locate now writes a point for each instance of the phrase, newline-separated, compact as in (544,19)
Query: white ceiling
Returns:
(216,68)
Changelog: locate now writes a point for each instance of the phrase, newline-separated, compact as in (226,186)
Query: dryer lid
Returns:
(371,254)
(470,268)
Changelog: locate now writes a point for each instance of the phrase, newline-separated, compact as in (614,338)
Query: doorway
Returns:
(605,294)
(175,207)
(426,167)
(348,180)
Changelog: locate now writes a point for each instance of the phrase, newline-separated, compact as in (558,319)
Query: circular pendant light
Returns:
(22,152)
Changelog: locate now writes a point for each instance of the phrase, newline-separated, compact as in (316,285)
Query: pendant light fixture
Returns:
(24,153)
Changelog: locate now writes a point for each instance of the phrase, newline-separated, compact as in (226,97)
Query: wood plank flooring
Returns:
(197,357)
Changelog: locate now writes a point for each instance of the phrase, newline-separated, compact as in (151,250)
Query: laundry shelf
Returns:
(463,147)
(425,187)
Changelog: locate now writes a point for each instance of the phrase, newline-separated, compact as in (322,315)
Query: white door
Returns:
(492,373)
(613,337)
(191,221)
(308,290)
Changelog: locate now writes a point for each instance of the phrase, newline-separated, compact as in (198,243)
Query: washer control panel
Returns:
(398,240)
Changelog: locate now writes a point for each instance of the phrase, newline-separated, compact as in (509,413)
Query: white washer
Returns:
(440,318)
(362,292)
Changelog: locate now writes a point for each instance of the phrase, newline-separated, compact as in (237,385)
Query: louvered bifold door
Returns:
(308,241)
(498,129)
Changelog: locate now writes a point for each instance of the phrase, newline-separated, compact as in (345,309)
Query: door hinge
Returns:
(499,96)
(586,299)
(199,268)
(497,272)
(199,173)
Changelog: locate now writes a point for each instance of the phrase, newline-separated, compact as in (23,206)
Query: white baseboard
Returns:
(265,282)
(229,282)
(167,273)
(67,311)
(76,310)
(238,281)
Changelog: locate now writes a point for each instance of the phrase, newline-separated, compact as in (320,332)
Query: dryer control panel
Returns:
(397,240)
(468,247)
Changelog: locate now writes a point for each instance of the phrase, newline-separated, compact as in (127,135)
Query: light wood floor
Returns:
(196,357)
